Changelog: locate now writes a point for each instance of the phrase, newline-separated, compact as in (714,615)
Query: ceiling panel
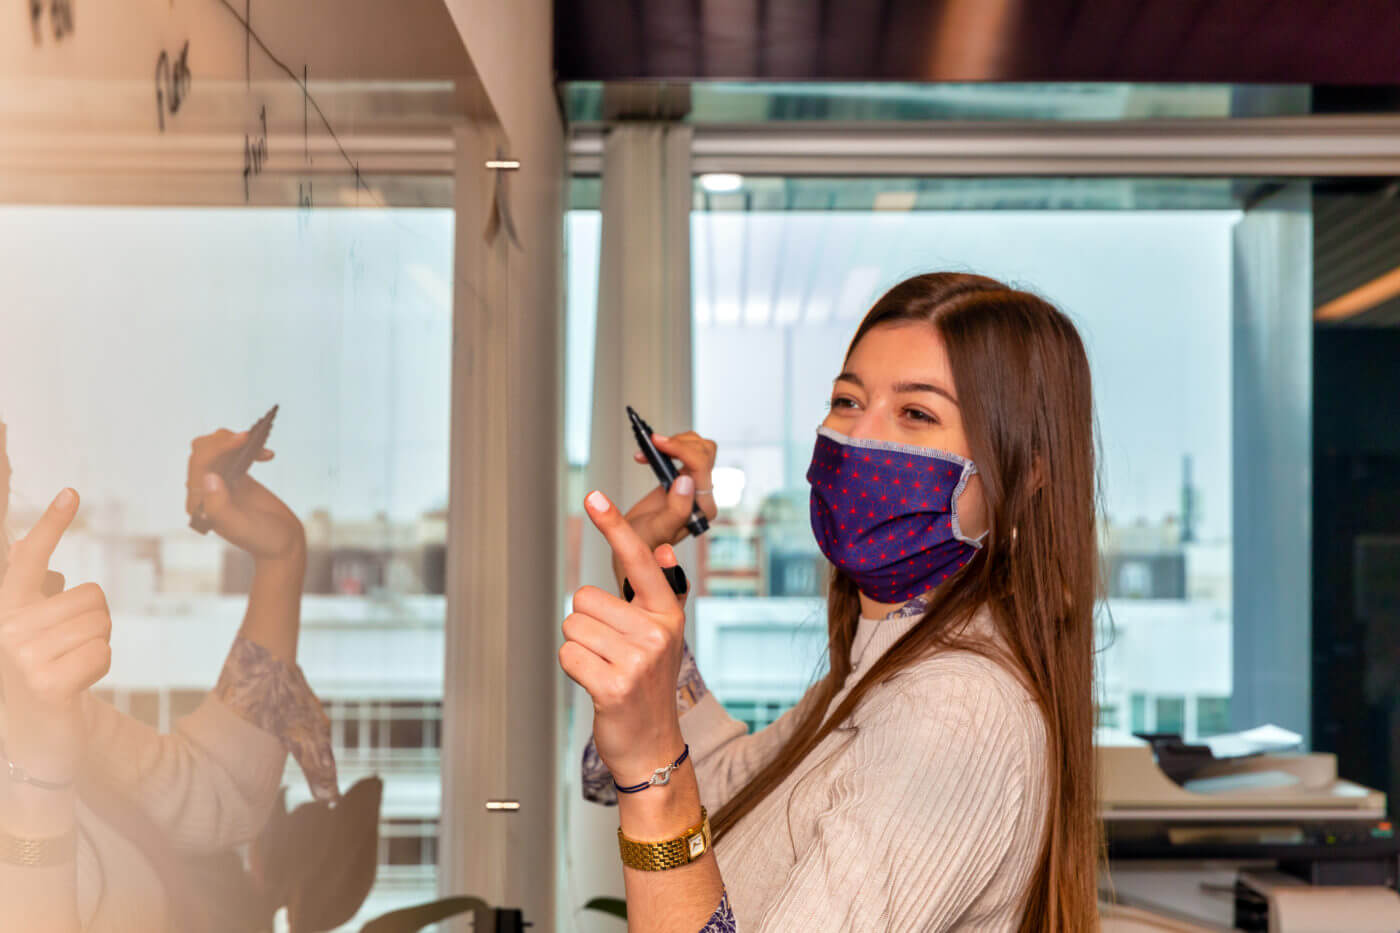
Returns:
(1304,41)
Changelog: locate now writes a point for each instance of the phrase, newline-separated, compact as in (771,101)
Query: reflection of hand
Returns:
(248,516)
(628,655)
(51,651)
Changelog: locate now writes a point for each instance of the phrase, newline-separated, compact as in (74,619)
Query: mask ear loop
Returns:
(969,469)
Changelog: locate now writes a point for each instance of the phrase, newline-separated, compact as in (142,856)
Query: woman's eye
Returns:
(918,415)
(841,401)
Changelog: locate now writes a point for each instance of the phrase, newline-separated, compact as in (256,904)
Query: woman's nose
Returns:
(872,424)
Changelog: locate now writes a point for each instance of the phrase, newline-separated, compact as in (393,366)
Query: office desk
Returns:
(1200,894)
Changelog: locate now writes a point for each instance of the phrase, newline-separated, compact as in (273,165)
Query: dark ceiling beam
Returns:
(1043,28)
(1213,40)
(1096,37)
(639,26)
(763,39)
(669,35)
(602,31)
(697,32)
(904,35)
(852,44)
(1158,36)
(728,28)
(793,34)
(1300,41)
(1340,31)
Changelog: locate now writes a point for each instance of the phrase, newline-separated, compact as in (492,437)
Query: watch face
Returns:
(697,845)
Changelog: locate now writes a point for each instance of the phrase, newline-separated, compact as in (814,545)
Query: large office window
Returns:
(1143,268)
(127,332)
(1155,273)
(1171,714)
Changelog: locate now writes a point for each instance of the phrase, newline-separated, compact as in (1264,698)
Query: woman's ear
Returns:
(1037,473)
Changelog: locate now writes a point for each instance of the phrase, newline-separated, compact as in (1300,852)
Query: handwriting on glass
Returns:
(60,18)
(304,189)
(303,205)
(172,83)
(254,155)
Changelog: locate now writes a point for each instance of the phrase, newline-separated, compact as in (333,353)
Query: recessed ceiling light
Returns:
(728,486)
(721,182)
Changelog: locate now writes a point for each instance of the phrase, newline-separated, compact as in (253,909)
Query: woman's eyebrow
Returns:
(902,387)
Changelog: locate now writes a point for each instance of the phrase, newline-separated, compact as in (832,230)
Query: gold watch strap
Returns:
(38,853)
(669,853)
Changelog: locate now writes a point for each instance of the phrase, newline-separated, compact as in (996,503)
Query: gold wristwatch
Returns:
(670,853)
(38,853)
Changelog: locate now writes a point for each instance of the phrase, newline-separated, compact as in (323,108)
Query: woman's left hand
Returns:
(628,655)
(248,516)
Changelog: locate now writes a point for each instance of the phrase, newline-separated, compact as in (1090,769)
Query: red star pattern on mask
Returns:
(874,517)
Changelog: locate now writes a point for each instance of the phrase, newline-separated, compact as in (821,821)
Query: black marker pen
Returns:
(664,469)
(674,576)
(235,463)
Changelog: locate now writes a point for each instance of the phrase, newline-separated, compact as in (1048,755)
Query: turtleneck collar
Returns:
(875,636)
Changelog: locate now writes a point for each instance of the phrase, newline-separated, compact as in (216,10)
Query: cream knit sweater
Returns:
(924,812)
(209,785)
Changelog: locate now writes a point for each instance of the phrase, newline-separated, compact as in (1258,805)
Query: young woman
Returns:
(101,818)
(940,776)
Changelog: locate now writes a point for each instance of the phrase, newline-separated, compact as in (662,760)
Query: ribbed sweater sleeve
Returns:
(210,784)
(725,753)
(921,817)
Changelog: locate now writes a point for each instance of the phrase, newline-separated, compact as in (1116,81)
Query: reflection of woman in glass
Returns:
(101,818)
(940,776)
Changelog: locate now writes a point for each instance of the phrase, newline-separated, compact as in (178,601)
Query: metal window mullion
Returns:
(1291,146)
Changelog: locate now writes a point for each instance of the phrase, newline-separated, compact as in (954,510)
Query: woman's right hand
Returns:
(627,655)
(51,651)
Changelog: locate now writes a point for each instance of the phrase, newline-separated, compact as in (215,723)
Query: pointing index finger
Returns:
(638,564)
(29,556)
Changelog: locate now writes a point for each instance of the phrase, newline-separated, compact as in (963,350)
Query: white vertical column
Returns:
(643,359)
(504,537)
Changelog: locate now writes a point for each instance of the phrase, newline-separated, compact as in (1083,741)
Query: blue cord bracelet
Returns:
(659,776)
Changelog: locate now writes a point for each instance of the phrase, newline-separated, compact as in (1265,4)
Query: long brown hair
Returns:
(1023,380)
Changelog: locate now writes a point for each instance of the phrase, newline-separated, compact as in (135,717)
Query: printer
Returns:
(1266,841)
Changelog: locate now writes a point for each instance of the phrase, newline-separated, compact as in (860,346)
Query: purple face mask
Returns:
(886,514)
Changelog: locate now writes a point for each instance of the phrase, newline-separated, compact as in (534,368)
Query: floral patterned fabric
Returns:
(722,920)
(274,696)
(915,607)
